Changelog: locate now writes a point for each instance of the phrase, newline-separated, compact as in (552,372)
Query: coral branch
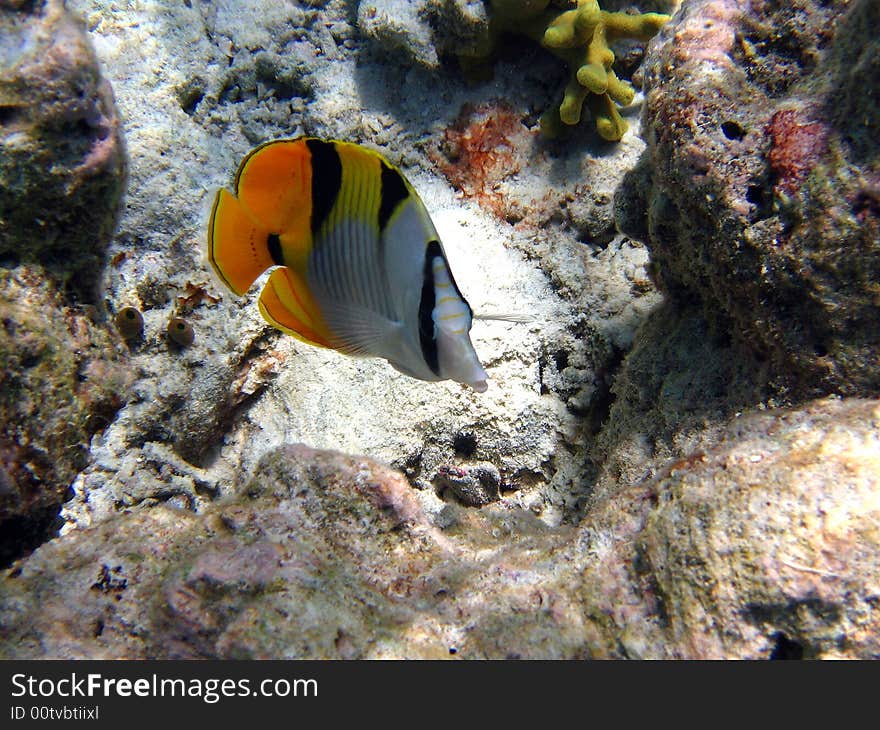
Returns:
(581,37)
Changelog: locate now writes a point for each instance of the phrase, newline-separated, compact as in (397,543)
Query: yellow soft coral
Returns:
(581,36)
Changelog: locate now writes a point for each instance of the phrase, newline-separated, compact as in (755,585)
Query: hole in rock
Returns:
(465,444)
(732,130)
(785,648)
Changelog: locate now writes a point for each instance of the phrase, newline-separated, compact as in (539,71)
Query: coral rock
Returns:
(758,193)
(320,555)
(61,381)
(473,485)
(422,30)
(770,544)
(766,545)
(62,164)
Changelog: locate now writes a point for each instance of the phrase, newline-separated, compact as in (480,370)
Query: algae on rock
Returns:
(62,170)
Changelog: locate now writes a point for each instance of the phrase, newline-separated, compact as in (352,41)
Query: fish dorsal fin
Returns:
(287,304)
(266,222)
(274,182)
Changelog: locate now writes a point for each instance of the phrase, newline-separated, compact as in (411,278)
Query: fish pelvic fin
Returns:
(238,246)
(287,304)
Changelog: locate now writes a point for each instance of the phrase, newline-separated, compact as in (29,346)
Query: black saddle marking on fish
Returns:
(274,243)
(393,193)
(427,334)
(326,180)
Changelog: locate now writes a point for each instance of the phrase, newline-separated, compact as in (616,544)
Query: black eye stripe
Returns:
(427,334)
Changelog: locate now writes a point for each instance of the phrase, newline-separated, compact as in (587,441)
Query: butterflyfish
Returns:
(358,265)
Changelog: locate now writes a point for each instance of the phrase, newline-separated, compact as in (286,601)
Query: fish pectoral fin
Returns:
(358,331)
(287,305)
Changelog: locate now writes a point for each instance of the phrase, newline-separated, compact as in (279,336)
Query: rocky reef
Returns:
(62,167)
(63,379)
(62,171)
(757,194)
(678,457)
(422,32)
(765,546)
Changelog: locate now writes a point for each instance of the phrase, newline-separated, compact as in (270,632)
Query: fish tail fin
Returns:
(238,247)
(287,305)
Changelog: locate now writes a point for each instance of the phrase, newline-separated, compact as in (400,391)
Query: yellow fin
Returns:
(236,243)
(287,304)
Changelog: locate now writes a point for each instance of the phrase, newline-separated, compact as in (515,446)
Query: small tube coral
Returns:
(581,36)
(181,332)
(130,323)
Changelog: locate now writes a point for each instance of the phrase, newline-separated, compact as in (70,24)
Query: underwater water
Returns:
(575,343)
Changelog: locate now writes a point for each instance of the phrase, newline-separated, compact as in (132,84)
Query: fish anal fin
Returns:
(287,304)
(274,183)
(237,247)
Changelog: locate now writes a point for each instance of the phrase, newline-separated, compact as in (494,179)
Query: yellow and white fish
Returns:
(360,265)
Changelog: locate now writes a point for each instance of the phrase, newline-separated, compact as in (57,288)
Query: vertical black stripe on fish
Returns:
(274,243)
(393,193)
(427,334)
(326,179)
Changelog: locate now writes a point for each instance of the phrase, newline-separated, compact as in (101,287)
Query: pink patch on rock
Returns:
(797,146)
